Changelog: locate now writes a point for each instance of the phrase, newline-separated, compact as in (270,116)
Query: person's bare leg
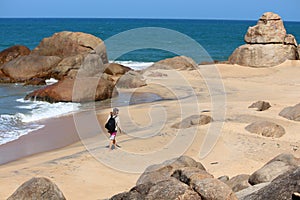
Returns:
(110,144)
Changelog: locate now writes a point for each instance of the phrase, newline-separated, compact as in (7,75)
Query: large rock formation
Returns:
(25,68)
(38,188)
(268,44)
(13,52)
(181,178)
(65,44)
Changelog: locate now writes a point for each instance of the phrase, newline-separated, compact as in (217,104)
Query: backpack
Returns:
(111,124)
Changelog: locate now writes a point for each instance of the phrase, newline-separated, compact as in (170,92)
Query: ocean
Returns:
(18,117)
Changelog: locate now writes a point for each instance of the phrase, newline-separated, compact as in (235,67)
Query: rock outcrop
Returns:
(181,178)
(177,62)
(13,52)
(65,44)
(131,79)
(268,44)
(193,120)
(74,90)
(291,113)
(266,128)
(38,188)
(282,187)
(260,105)
(275,167)
(25,68)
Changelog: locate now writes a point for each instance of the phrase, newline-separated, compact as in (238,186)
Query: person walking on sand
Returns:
(113,126)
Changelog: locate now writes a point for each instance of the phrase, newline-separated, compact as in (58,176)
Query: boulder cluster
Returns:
(184,178)
(267,44)
(77,60)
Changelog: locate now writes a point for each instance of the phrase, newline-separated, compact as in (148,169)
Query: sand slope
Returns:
(94,172)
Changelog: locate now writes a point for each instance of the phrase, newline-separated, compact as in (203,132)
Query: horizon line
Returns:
(154,18)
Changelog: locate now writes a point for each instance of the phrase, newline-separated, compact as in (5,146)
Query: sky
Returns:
(178,9)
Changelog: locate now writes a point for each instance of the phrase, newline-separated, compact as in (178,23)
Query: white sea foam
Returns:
(135,65)
(42,110)
(51,81)
(14,126)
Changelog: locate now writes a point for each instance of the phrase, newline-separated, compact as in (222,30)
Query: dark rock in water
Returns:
(282,187)
(292,112)
(13,52)
(38,188)
(275,167)
(192,121)
(25,68)
(260,105)
(267,44)
(266,128)
(238,182)
(85,90)
(131,79)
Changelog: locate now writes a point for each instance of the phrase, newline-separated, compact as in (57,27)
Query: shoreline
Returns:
(56,133)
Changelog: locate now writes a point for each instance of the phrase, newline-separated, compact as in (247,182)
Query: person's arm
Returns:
(118,124)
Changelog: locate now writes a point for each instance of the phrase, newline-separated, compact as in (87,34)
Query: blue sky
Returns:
(187,9)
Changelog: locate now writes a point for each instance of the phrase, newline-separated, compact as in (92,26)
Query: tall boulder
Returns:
(268,44)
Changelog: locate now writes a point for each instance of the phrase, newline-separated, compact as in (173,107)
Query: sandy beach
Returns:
(86,169)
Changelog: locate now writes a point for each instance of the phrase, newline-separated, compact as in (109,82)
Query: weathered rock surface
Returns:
(85,89)
(192,121)
(178,62)
(275,167)
(268,44)
(25,68)
(280,188)
(65,44)
(215,189)
(292,112)
(269,29)
(238,182)
(267,55)
(260,105)
(181,178)
(131,79)
(38,188)
(249,190)
(13,52)
(266,128)
(156,173)
(115,69)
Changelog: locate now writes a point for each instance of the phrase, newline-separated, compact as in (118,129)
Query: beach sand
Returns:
(86,169)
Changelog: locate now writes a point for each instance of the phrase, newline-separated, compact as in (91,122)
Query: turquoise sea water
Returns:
(17,117)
